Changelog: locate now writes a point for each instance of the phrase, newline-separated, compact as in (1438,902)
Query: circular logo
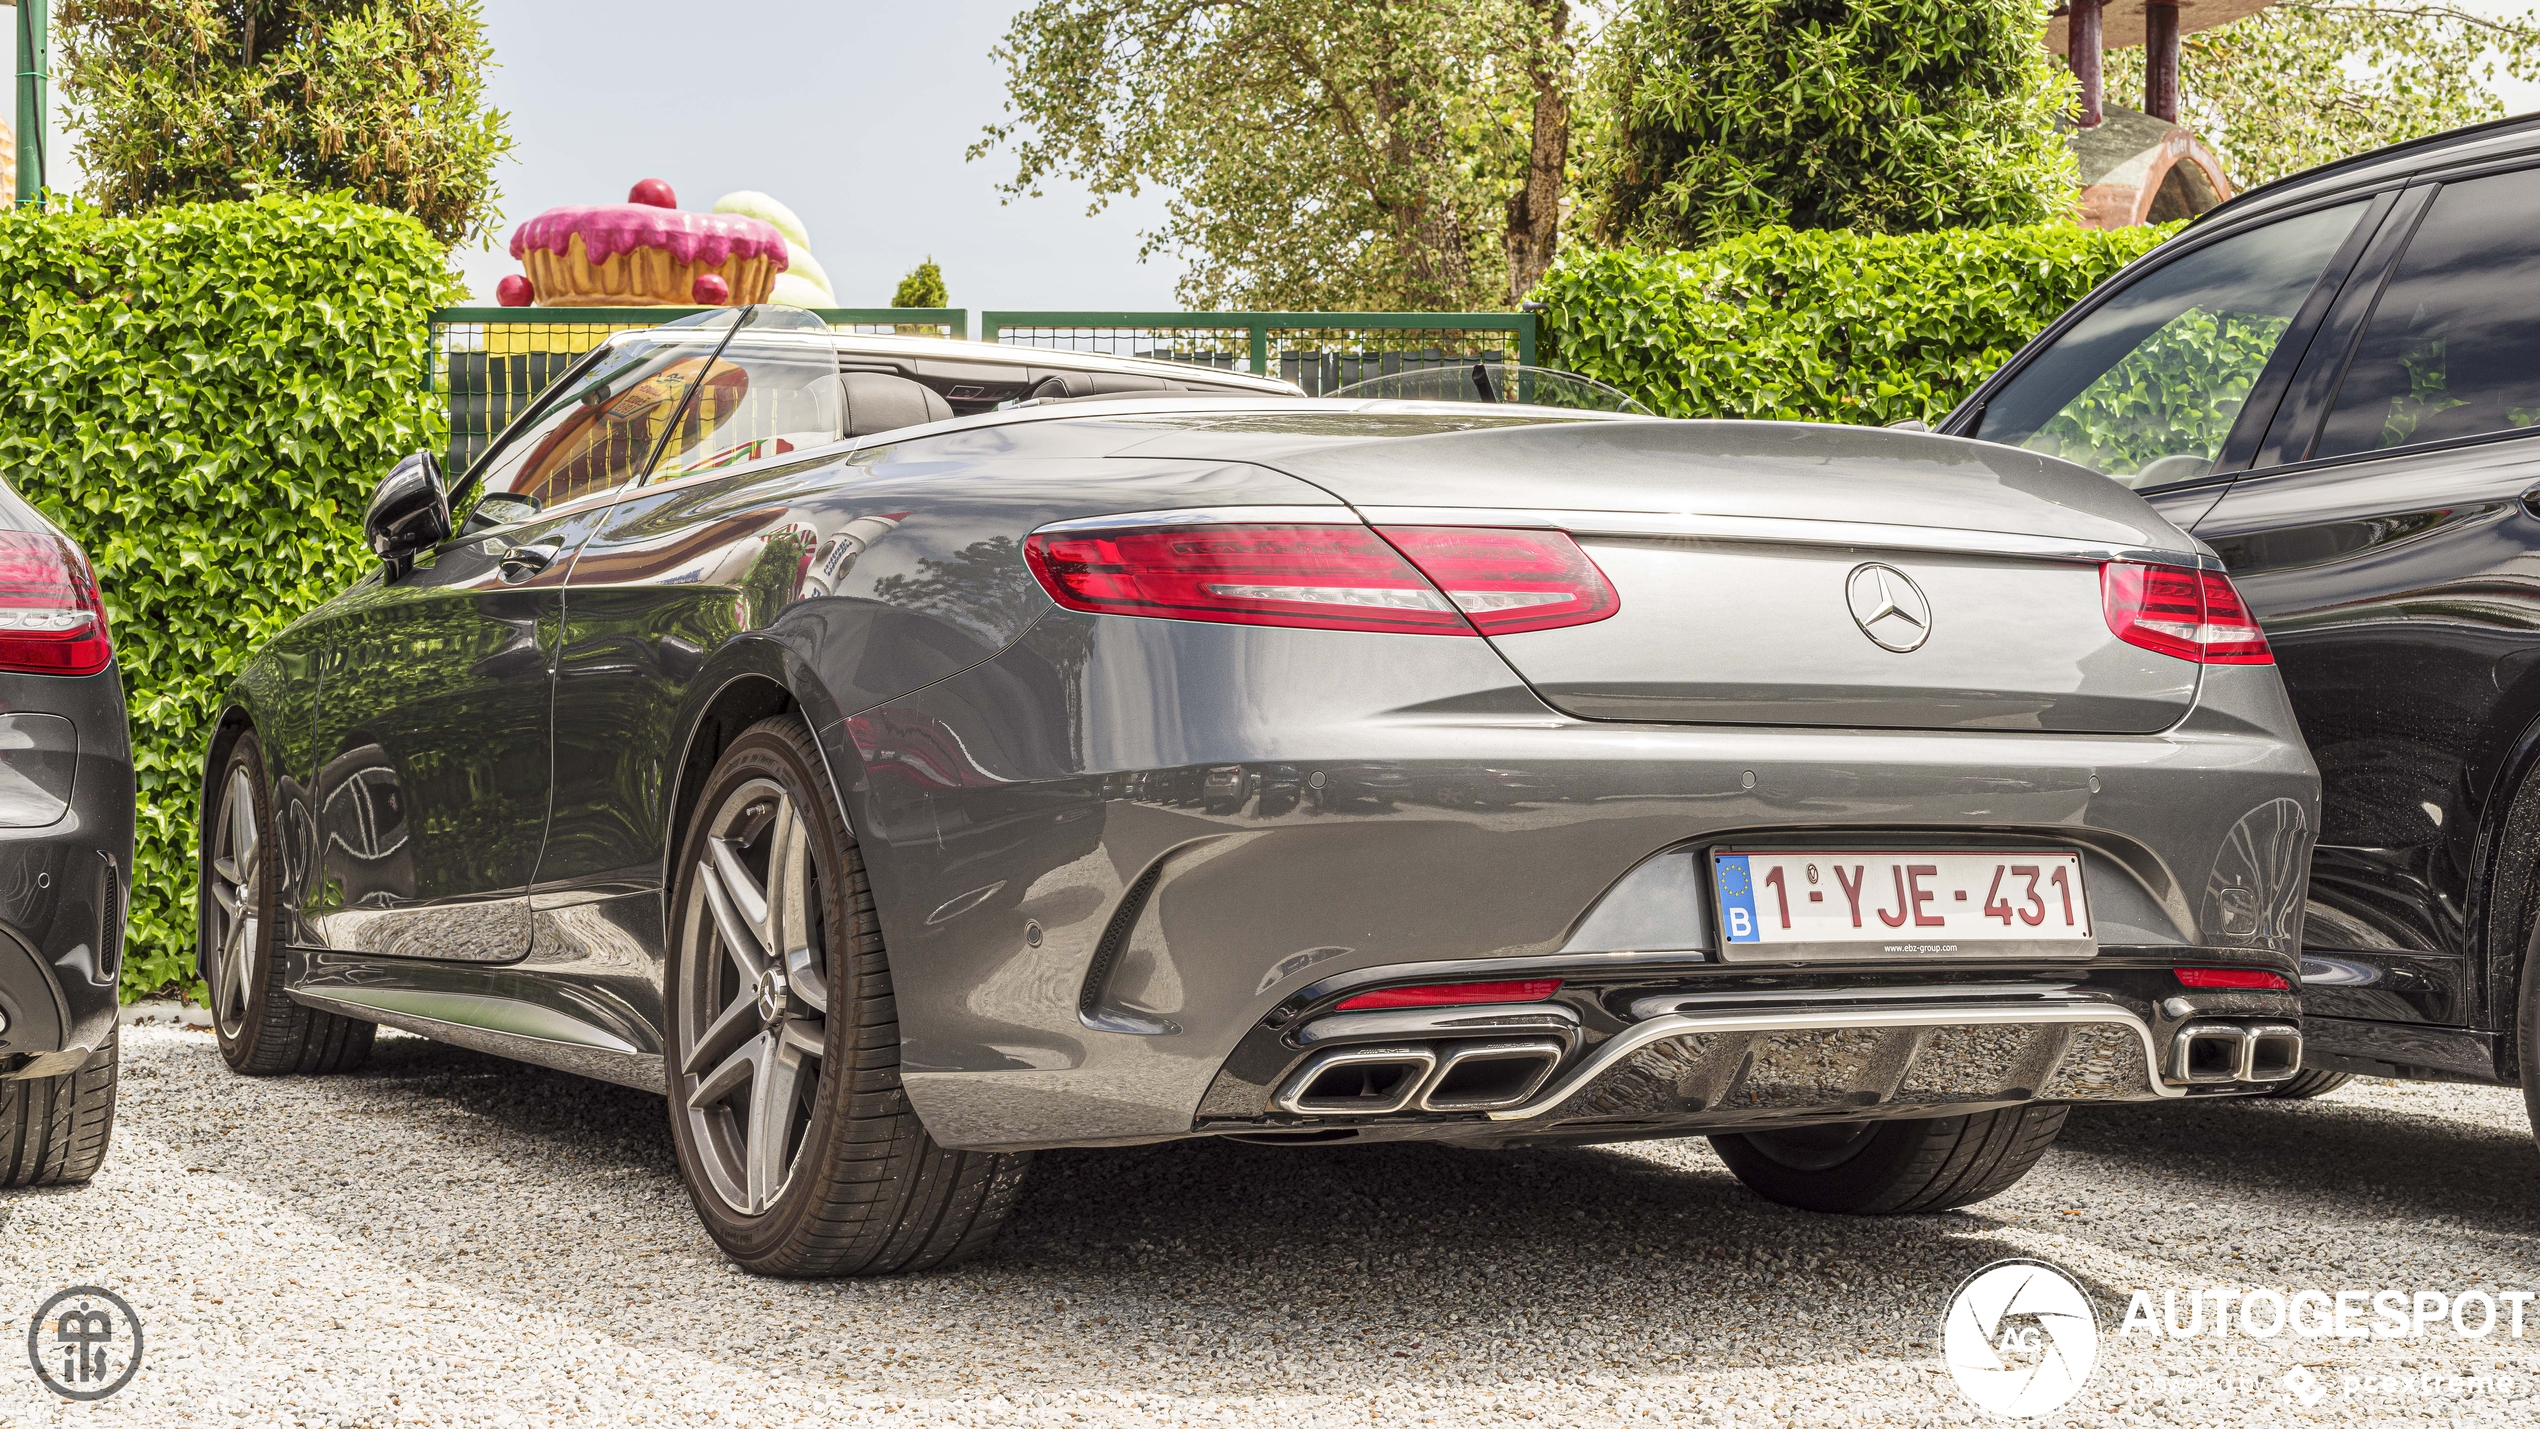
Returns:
(2020,1337)
(1888,606)
(85,1343)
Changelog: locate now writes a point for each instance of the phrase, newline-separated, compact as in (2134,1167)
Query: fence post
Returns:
(1259,328)
(1526,337)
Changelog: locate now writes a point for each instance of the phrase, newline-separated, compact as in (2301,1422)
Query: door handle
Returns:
(521,562)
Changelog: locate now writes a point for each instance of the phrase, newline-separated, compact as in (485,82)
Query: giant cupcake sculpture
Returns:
(644,252)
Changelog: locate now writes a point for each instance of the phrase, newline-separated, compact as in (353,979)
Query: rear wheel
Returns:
(53,1130)
(262,1031)
(2307,1084)
(1893,1167)
(795,1138)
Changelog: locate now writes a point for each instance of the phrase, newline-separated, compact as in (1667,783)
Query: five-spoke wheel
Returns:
(794,1134)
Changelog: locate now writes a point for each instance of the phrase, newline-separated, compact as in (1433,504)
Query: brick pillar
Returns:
(2160,59)
(2082,51)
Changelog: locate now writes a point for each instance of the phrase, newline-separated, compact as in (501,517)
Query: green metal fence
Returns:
(1319,352)
(493,361)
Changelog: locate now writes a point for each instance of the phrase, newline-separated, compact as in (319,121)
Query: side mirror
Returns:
(409,512)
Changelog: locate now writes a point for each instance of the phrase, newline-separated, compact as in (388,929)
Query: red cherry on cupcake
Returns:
(515,292)
(710,291)
(655,192)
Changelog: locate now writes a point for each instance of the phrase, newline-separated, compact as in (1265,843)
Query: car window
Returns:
(763,397)
(2146,388)
(599,433)
(2453,347)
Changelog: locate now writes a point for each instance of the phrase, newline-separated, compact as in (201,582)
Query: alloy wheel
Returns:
(237,873)
(753,996)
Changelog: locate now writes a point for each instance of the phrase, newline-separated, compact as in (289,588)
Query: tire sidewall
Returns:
(763,753)
(1857,1181)
(240,1051)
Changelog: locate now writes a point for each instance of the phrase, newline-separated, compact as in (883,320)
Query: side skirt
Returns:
(2405,1050)
(503,1027)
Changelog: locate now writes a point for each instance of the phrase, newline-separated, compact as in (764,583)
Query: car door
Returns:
(434,767)
(2390,545)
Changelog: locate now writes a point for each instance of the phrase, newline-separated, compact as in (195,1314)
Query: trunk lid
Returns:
(1794,574)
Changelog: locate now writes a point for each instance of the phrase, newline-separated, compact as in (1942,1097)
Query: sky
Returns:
(853,114)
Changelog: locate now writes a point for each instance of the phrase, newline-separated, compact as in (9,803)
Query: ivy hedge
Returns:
(203,396)
(1823,324)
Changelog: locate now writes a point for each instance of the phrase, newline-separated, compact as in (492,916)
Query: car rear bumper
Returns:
(63,887)
(1075,962)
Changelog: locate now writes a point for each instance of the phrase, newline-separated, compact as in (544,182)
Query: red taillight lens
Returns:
(2194,615)
(2245,978)
(1317,577)
(1452,994)
(1507,581)
(51,621)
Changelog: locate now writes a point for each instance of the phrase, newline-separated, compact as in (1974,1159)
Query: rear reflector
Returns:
(1453,994)
(1508,581)
(2250,978)
(2194,615)
(51,621)
(1328,577)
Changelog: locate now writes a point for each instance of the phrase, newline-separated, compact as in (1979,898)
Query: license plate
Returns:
(1820,903)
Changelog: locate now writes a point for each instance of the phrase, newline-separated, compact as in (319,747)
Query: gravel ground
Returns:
(447,1238)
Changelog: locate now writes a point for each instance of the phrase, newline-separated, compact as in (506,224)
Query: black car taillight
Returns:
(51,620)
(1415,580)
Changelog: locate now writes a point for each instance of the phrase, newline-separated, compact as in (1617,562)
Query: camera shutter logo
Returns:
(85,1343)
(2020,1337)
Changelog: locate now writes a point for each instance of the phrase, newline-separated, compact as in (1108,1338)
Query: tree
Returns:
(178,101)
(922,288)
(1885,116)
(1386,154)
(2301,84)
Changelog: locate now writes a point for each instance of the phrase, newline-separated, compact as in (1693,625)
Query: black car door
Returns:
(2390,546)
(434,766)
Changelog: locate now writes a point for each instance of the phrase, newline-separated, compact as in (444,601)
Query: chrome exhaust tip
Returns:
(1357,1081)
(1486,1076)
(2206,1053)
(2275,1053)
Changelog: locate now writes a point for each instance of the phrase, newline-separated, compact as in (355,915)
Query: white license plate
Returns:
(1820,903)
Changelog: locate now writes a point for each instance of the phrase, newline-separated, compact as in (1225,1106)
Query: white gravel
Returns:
(447,1238)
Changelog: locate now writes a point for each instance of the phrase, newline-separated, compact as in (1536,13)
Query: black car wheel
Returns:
(54,1130)
(2307,1084)
(1893,1167)
(262,1031)
(795,1138)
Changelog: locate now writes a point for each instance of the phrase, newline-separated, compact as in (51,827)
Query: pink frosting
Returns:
(610,229)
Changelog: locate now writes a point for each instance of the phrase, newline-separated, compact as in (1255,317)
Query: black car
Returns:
(2335,382)
(65,854)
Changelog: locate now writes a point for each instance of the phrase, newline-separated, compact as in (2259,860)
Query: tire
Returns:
(1874,1168)
(263,1033)
(2307,1084)
(843,1180)
(54,1130)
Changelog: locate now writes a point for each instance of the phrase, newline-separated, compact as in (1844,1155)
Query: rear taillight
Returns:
(2194,615)
(1507,581)
(51,621)
(1453,994)
(1415,580)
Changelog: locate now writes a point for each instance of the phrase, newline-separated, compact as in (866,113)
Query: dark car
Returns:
(66,798)
(769,731)
(2335,381)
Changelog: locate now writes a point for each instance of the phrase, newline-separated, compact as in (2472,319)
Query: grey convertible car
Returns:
(906,755)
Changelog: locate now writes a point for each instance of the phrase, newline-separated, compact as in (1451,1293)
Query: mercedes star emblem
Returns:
(1889,607)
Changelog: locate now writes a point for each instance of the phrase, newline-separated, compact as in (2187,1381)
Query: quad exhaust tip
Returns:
(2212,1053)
(1454,1077)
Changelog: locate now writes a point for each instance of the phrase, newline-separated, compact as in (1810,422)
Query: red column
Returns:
(2082,51)
(2160,59)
